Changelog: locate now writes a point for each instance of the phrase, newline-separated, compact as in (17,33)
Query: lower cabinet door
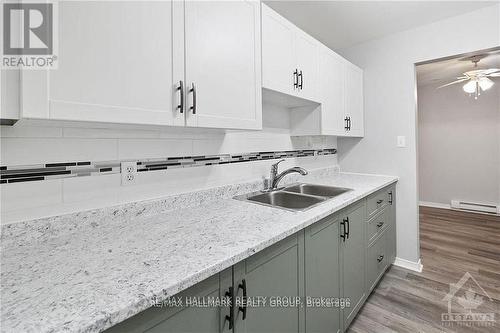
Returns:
(353,259)
(391,231)
(376,261)
(322,279)
(272,281)
(173,318)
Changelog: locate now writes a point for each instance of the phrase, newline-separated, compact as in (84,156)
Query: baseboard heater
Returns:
(475,206)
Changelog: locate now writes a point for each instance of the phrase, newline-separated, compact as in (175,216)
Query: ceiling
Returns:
(446,71)
(341,24)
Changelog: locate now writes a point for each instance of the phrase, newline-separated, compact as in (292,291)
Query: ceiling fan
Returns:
(478,79)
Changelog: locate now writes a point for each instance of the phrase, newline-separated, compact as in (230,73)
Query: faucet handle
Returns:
(275,165)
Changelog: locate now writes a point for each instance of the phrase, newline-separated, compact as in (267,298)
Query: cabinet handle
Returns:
(380,258)
(390,197)
(296,79)
(230,317)
(193,90)
(301,80)
(180,88)
(380,224)
(379,201)
(349,123)
(243,309)
(346,127)
(346,222)
(343,233)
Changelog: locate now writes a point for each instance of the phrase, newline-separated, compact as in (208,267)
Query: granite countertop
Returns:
(91,277)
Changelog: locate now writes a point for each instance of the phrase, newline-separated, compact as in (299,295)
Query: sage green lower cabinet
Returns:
(322,276)
(276,273)
(183,319)
(352,233)
(341,256)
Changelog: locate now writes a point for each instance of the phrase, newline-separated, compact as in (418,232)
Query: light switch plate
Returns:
(401,141)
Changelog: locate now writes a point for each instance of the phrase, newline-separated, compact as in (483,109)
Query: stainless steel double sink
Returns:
(296,197)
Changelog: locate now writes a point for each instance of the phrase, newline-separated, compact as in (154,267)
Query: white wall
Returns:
(458,145)
(39,145)
(390,104)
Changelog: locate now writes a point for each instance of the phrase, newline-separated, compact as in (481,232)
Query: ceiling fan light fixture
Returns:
(470,87)
(485,83)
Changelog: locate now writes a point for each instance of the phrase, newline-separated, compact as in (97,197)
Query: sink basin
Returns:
(296,197)
(286,200)
(319,190)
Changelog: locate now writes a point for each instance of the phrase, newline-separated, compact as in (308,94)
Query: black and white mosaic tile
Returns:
(26,173)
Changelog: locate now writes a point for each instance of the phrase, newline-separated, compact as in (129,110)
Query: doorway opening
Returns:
(458,156)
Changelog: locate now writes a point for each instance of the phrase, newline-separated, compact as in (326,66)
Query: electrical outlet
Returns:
(401,141)
(128,172)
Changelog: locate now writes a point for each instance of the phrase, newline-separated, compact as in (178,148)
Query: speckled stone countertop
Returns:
(89,271)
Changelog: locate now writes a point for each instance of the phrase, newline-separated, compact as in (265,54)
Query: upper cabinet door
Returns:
(354,99)
(306,52)
(223,64)
(331,92)
(115,65)
(278,55)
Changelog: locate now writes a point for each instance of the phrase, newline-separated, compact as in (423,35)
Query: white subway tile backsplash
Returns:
(19,196)
(20,151)
(153,148)
(94,188)
(96,133)
(37,145)
(30,132)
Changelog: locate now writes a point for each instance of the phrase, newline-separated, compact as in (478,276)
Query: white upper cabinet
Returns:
(125,62)
(331,92)
(278,59)
(289,57)
(306,53)
(114,65)
(297,65)
(223,64)
(353,101)
(341,96)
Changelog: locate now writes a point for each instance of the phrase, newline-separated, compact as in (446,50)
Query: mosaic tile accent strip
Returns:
(27,173)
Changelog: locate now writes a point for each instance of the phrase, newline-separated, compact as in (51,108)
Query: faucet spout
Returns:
(276,178)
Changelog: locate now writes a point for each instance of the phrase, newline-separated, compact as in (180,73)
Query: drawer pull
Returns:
(380,258)
(343,231)
(380,224)
(243,309)
(230,317)
(379,201)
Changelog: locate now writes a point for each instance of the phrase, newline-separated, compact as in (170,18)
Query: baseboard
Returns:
(411,265)
(447,206)
(434,204)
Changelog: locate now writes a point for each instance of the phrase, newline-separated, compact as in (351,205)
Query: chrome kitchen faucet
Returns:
(275,178)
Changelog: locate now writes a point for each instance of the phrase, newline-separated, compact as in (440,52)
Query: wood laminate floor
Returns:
(452,243)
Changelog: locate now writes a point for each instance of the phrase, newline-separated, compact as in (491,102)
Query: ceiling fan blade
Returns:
(494,75)
(454,82)
(491,71)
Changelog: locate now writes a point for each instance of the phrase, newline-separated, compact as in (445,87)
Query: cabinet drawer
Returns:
(377,224)
(377,201)
(376,261)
